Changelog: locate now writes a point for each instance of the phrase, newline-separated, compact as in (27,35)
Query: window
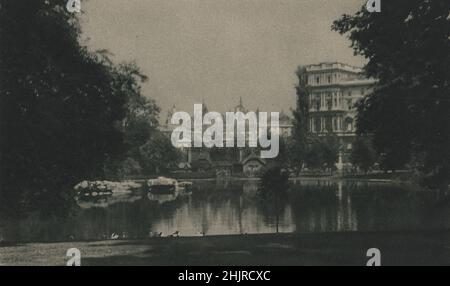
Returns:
(329,79)
(335,124)
(317,80)
(348,124)
(328,124)
(329,101)
(349,93)
(318,102)
(317,125)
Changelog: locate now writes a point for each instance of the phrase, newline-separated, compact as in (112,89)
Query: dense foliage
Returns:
(66,113)
(59,106)
(408,50)
(363,155)
(298,145)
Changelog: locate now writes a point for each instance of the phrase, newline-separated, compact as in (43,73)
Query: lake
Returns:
(219,207)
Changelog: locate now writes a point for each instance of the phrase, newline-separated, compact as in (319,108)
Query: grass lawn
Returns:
(397,248)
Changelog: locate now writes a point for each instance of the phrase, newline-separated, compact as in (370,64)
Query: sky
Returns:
(217,51)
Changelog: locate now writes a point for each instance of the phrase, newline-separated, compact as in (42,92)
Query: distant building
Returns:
(286,125)
(334,90)
(253,165)
(225,161)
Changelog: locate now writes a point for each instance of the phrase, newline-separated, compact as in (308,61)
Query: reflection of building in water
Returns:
(231,212)
(333,212)
(346,216)
(250,188)
(334,90)
(162,198)
(226,161)
(104,201)
(253,165)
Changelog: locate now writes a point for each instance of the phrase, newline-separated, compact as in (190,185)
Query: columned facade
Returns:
(334,90)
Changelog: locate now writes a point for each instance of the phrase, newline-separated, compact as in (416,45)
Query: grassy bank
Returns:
(399,248)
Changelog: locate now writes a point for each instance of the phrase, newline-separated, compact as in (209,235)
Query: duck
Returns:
(114,236)
(175,234)
(155,234)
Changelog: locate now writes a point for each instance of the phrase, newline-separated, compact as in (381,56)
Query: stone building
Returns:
(253,165)
(334,90)
(225,161)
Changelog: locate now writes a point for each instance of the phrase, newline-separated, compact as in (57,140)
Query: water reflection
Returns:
(104,201)
(234,207)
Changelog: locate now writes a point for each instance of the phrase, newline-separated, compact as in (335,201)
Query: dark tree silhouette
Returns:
(363,155)
(61,106)
(298,145)
(273,190)
(408,50)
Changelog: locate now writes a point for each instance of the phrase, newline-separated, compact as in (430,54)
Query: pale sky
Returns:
(219,50)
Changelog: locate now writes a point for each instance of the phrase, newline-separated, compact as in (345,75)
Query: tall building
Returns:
(334,90)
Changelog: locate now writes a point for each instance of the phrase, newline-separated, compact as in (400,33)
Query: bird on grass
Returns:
(175,234)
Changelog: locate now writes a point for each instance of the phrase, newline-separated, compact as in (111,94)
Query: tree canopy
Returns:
(298,145)
(363,155)
(62,107)
(407,46)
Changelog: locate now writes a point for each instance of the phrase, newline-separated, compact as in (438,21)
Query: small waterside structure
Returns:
(95,188)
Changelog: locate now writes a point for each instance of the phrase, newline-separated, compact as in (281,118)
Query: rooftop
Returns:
(368,81)
(333,66)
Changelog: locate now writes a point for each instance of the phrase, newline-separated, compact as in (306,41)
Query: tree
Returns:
(298,145)
(330,151)
(158,154)
(67,114)
(363,155)
(128,167)
(139,123)
(322,152)
(141,118)
(284,153)
(274,187)
(274,179)
(313,155)
(59,106)
(407,48)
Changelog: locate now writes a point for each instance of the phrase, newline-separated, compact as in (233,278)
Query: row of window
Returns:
(329,78)
(331,124)
(324,78)
(329,101)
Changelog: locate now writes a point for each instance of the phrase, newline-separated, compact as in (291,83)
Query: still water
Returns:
(235,207)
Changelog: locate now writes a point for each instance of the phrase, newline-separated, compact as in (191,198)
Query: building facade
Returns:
(334,90)
(226,160)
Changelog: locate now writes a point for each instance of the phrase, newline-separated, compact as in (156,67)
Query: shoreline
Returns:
(305,178)
(343,248)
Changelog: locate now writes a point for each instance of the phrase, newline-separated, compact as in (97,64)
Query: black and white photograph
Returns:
(224,133)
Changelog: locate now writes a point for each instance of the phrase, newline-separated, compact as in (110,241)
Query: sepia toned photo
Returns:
(224,133)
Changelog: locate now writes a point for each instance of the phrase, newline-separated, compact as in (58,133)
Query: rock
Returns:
(106,187)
